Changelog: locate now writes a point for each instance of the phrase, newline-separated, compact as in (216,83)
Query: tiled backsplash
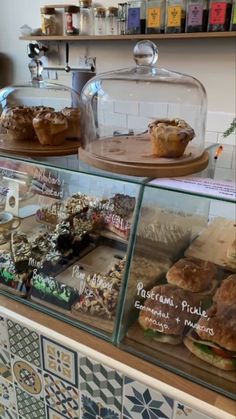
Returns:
(43,378)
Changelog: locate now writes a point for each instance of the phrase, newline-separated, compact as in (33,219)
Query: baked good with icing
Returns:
(170,137)
(18,123)
(50,127)
(73,118)
(192,274)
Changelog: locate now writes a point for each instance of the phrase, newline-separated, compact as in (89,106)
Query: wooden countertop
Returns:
(153,371)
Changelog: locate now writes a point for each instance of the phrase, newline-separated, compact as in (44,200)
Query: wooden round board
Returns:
(35,149)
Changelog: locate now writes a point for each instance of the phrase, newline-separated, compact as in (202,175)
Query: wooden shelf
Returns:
(194,35)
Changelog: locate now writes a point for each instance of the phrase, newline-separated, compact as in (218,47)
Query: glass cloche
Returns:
(39,118)
(144,120)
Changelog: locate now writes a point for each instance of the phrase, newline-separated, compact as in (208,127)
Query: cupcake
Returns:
(170,137)
(50,127)
(73,118)
(18,123)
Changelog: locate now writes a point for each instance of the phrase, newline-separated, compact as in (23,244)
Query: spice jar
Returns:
(219,16)
(86,17)
(71,20)
(99,21)
(175,16)
(122,18)
(233,17)
(111,21)
(48,21)
(155,16)
(197,16)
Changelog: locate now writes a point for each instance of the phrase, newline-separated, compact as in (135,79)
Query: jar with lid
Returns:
(175,16)
(86,17)
(136,17)
(48,21)
(155,16)
(197,16)
(219,15)
(99,14)
(71,20)
(122,18)
(233,17)
(112,21)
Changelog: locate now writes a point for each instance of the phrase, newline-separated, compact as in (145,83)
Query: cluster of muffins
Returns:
(49,127)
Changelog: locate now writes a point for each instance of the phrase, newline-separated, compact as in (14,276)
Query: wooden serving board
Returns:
(212,244)
(178,355)
(35,149)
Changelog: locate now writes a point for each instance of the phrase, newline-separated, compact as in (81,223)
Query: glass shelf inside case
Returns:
(180,304)
(64,241)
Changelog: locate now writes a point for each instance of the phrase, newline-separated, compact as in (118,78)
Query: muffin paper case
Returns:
(144,120)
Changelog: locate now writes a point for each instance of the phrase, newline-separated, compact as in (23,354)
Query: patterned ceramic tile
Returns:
(61,396)
(27,377)
(7,394)
(140,402)
(29,407)
(6,413)
(51,414)
(101,383)
(3,334)
(59,361)
(93,410)
(182,411)
(5,365)
(24,343)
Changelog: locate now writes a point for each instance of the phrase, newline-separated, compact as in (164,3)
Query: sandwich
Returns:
(226,293)
(195,275)
(166,313)
(231,253)
(214,339)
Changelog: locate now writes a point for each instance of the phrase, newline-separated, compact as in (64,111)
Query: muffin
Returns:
(170,137)
(18,123)
(50,127)
(73,118)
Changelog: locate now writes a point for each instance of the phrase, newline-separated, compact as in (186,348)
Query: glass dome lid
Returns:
(139,120)
(39,118)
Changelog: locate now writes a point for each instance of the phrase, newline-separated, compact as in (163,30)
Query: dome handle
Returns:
(145,53)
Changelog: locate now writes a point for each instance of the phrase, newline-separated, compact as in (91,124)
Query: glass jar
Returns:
(155,16)
(86,17)
(71,20)
(136,17)
(48,21)
(99,21)
(175,16)
(219,16)
(122,18)
(197,16)
(233,17)
(112,21)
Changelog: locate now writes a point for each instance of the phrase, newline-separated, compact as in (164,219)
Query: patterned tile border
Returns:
(91,409)
(7,395)
(61,396)
(27,377)
(29,407)
(5,365)
(6,413)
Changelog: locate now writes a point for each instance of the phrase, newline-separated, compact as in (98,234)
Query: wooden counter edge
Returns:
(195,390)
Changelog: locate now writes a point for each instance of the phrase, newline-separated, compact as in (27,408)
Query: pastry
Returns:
(215,338)
(192,274)
(162,315)
(18,281)
(50,127)
(20,250)
(117,225)
(231,253)
(18,123)
(170,137)
(73,118)
(226,293)
(77,203)
(122,205)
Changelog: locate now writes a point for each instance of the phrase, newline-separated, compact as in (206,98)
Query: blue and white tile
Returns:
(61,396)
(27,377)
(7,395)
(4,342)
(28,406)
(182,411)
(101,383)
(141,402)
(5,365)
(24,342)
(91,409)
(59,361)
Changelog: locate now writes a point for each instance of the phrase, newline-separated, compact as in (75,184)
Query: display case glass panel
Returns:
(64,241)
(180,305)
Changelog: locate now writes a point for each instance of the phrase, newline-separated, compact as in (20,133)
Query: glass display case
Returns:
(145,120)
(179,310)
